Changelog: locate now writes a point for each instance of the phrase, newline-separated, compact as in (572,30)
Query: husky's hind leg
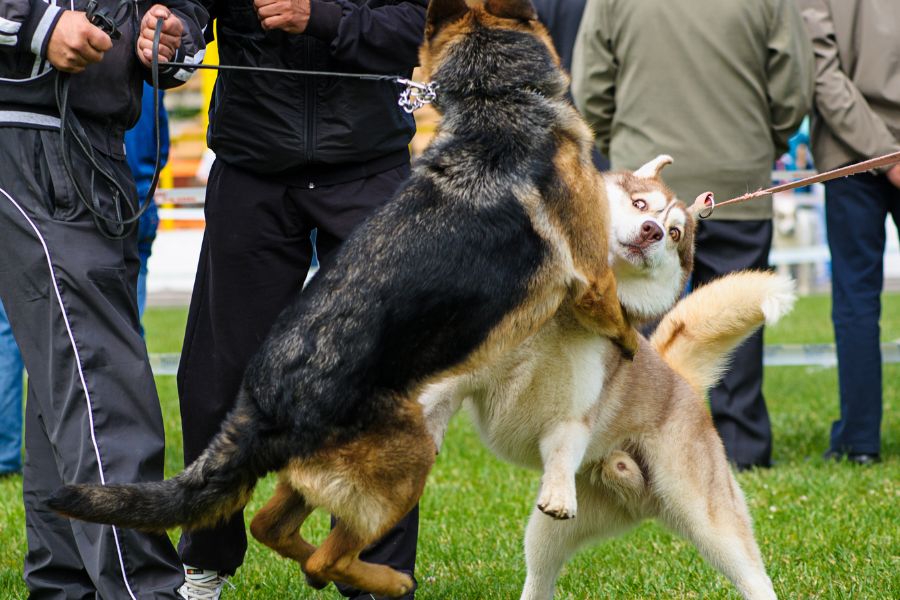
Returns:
(701,500)
(549,542)
(277,525)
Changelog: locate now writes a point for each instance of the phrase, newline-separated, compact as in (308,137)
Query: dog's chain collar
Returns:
(416,95)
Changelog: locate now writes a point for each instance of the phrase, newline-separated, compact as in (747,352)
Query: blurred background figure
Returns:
(721,85)
(562,19)
(857,117)
(140,152)
(11,369)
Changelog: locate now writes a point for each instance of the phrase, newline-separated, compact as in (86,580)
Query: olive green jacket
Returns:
(718,84)
(857,104)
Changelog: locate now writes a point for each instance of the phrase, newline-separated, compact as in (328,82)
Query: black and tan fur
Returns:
(502,222)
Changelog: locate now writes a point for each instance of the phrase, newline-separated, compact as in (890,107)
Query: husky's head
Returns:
(651,240)
(488,50)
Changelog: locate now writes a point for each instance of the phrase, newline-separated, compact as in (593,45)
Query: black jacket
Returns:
(106,96)
(298,126)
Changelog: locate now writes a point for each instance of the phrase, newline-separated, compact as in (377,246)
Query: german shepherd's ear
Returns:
(511,9)
(441,13)
(651,169)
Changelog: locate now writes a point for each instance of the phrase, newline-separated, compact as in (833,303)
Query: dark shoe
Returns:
(742,467)
(864,459)
(859,458)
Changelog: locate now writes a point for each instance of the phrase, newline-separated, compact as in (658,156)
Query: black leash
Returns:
(414,96)
(116,226)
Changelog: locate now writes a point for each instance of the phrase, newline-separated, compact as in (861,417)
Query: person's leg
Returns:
(337,210)
(70,296)
(736,402)
(53,567)
(11,370)
(253,261)
(855,212)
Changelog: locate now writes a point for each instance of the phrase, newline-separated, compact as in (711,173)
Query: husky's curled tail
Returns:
(698,336)
(215,486)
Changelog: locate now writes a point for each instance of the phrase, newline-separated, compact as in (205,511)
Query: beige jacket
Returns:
(719,84)
(857,103)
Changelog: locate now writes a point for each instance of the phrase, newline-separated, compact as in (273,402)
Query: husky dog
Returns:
(651,251)
(502,222)
(618,441)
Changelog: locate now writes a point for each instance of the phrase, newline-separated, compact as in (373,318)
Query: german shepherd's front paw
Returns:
(628,343)
(558,503)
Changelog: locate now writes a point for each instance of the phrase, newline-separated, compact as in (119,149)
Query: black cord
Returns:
(115,226)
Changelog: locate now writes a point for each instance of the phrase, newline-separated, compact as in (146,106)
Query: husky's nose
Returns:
(650,233)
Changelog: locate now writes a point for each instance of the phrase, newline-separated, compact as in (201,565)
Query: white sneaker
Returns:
(202,584)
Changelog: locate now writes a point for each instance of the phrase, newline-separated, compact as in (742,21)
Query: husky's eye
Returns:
(675,234)
(639,204)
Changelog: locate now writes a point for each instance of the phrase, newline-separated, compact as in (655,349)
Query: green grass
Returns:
(826,530)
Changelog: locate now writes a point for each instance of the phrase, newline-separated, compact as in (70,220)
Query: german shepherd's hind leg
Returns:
(337,559)
(277,525)
(598,308)
(368,484)
(704,504)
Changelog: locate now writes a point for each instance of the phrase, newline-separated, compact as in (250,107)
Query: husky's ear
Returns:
(441,13)
(511,9)
(651,169)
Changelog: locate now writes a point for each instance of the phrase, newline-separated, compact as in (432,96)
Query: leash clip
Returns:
(416,95)
(101,19)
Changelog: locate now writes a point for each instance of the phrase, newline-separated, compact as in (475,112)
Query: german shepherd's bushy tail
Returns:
(698,336)
(215,486)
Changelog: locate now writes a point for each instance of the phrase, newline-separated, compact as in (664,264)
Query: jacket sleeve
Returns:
(195,18)
(789,72)
(840,104)
(594,71)
(26,25)
(376,37)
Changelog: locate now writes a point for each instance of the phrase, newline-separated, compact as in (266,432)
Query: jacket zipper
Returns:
(310,105)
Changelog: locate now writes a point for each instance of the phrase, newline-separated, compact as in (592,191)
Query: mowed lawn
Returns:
(826,530)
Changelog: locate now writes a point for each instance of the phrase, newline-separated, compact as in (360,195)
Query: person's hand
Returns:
(291,16)
(169,37)
(75,43)
(894,175)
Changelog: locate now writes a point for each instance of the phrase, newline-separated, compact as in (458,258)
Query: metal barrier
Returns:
(777,355)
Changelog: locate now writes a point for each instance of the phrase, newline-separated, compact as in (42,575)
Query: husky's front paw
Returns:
(557,502)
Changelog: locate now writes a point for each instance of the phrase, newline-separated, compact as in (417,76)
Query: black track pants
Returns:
(736,402)
(92,414)
(255,256)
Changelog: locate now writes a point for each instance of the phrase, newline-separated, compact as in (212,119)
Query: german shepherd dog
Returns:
(625,441)
(502,222)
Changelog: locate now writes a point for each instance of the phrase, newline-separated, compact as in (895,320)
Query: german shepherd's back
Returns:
(501,222)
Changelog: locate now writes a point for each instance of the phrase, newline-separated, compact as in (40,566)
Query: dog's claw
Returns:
(628,344)
(314,583)
(557,503)
(561,513)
